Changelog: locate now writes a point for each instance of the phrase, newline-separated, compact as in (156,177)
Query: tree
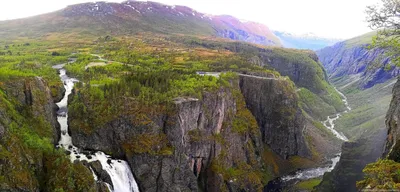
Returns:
(386,19)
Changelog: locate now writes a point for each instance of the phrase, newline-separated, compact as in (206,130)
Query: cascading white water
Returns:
(344,100)
(320,171)
(330,125)
(119,170)
(313,173)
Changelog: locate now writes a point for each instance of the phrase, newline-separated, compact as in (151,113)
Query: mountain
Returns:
(133,17)
(307,41)
(352,58)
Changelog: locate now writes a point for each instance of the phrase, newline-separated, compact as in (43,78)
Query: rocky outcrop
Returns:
(355,156)
(34,97)
(392,147)
(277,113)
(102,175)
(372,64)
(202,144)
(28,133)
(302,67)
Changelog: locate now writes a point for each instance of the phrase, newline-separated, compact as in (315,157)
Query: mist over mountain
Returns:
(306,41)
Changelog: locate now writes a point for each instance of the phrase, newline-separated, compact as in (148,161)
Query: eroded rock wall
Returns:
(213,143)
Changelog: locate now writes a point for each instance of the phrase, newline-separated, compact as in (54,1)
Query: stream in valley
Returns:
(119,170)
(306,174)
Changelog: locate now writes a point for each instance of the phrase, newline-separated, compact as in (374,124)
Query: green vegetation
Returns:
(139,93)
(28,60)
(381,175)
(142,78)
(28,142)
(288,62)
(153,144)
(383,18)
(63,176)
(314,105)
(308,184)
(242,173)
(362,40)
(243,122)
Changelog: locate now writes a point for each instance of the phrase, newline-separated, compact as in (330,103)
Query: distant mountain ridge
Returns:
(132,17)
(306,41)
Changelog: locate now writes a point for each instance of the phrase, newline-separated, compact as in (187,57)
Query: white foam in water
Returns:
(320,171)
(329,124)
(313,173)
(119,170)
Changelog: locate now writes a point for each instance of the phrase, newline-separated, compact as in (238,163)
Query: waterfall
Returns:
(119,170)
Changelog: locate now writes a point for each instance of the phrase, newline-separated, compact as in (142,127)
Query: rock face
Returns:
(192,145)
(28,96)
(28,134)
(343,59)
(355,156)
(281,121)
(392,147)
(34,96)
(301,66)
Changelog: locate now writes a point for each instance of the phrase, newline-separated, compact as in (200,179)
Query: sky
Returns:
(340,19)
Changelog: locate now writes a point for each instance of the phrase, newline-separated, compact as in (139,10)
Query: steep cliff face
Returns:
(30,96)
(213,143)
(34,97)
(392,147)
(28,132)
(304,69)
(355,156)
(277,113)
(350,58)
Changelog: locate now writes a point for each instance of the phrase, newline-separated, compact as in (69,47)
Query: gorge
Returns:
(287,181)
(154,97)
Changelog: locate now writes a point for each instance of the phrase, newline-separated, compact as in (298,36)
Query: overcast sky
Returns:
(326,18)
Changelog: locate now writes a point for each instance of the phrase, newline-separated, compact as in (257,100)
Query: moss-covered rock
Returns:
(28,159)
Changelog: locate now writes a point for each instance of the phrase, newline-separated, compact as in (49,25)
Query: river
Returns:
(119,170)
(306,174)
